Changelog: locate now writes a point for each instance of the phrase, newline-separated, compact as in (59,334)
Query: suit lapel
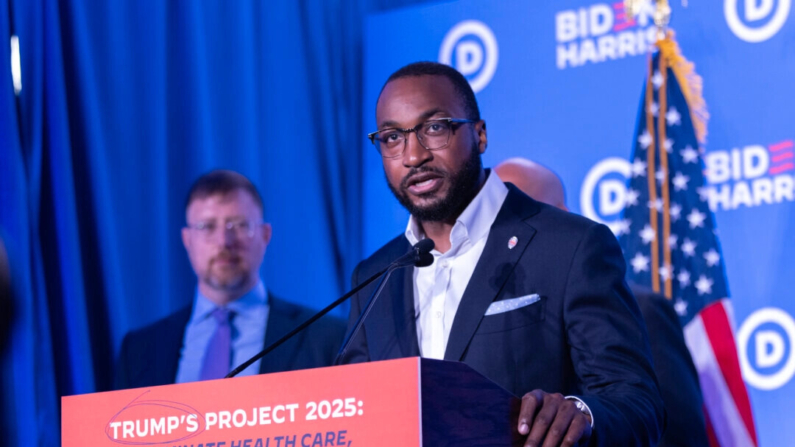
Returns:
(392,317)
(494,267)
(167,349)
(281,320)
(403,310)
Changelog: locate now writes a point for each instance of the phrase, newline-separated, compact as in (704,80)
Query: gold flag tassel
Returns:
(689,81)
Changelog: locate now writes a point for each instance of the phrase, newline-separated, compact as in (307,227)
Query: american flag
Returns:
(670,241)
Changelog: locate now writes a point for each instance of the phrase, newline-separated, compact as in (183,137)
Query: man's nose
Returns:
(415,153)
(224,236)
(231,236)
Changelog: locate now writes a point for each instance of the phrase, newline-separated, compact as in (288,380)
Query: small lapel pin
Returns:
(512,242)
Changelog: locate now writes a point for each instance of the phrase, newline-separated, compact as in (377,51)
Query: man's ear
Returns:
(483,140)
(186,237)
(267,232)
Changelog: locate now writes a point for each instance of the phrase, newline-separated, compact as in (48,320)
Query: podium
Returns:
(406,402)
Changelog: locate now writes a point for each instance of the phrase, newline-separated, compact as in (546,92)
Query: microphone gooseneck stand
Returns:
(421,259)
(419,256)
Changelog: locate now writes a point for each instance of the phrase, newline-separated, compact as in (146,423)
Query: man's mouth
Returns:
(226,259)
(424,183)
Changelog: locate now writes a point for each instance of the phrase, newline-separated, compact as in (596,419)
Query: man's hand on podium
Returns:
(553,420)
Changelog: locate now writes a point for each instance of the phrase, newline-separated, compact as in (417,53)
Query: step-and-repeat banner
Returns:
(560,83)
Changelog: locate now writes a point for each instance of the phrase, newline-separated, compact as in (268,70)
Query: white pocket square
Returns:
(508,305)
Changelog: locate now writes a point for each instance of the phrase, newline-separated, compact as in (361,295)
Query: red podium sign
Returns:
(373,404)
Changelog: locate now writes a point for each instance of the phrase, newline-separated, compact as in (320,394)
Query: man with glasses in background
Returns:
(233,316)
(531,297)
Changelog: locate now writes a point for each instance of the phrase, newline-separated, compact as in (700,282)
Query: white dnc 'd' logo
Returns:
(771,363)
(761,21)
(475,49)
(604,192)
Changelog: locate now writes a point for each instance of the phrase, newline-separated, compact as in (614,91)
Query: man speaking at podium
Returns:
(530,296)
(233,316)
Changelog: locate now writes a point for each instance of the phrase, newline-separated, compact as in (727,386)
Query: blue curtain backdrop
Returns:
(123,104)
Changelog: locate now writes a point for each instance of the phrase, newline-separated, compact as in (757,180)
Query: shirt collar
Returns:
(476,220)
(257,296)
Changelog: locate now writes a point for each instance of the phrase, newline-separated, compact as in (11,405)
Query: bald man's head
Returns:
(534,180)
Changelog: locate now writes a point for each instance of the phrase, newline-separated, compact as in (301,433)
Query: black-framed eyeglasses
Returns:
(433,134)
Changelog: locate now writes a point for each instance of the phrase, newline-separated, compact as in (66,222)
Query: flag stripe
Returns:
(721,336)
(711,436)
(726,421)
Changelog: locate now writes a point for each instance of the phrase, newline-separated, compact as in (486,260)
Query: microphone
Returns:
(419,255)
(424,260)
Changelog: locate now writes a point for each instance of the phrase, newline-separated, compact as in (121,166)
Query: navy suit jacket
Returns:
(150,356)
(584,337)
(676,373)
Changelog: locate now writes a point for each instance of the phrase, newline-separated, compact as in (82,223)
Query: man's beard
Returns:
(229,281)
(464,186)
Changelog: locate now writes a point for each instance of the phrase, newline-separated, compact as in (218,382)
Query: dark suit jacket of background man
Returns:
(675,370)
(150,356)
(584,337)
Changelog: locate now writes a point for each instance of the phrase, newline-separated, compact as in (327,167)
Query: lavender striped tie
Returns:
(218,356)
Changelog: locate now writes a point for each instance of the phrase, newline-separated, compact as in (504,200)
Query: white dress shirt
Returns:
(438,288)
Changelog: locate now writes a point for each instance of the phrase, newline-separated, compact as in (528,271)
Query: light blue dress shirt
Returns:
(248,332)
